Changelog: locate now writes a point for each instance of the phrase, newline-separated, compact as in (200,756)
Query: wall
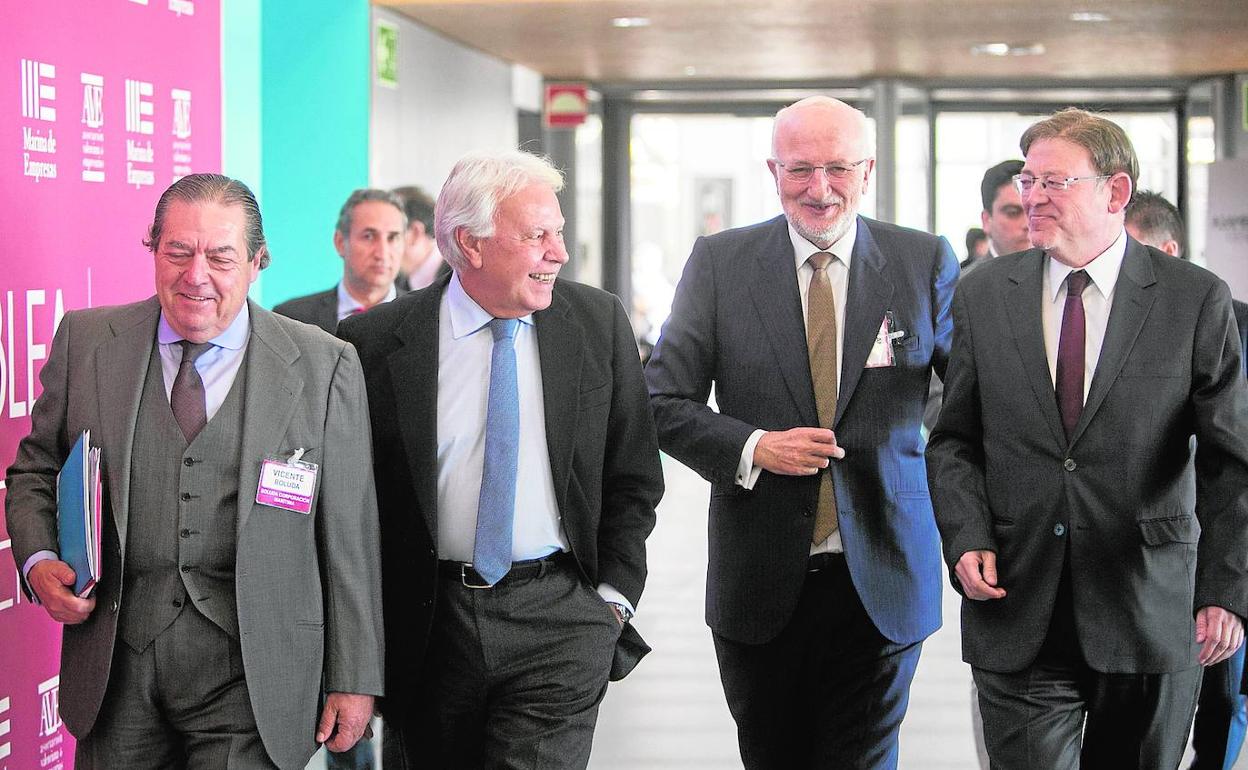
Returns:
(313,128)
(449,100)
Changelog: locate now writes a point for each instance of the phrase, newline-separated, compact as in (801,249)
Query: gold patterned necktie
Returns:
(821,345)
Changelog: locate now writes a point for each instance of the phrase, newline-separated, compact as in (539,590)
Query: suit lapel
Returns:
(273,391)
(866,301)
(561,350)
(120,370)
(1133,297)
(1023,301)
(328,310)
(414,377)
(779,306)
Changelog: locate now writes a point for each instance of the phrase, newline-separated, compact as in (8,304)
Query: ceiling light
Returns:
(628,22)
(691,70)
(1089,16)
(1007,49)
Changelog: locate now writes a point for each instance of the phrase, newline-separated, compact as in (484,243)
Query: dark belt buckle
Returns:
(471,578)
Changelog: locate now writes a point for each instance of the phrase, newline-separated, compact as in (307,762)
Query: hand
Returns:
(344,720)
(1219,633)
(53,582)
(977,572)
(797,451)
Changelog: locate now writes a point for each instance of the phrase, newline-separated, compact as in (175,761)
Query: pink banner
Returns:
(102,105)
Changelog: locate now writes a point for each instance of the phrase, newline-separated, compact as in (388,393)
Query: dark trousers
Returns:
(180,703)
(1059,713)
(512,678)
(829,692)
(1221,720)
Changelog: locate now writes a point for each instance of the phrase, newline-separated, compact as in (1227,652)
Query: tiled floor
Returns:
(670,712)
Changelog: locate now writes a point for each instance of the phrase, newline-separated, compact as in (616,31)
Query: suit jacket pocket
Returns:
(1171,529)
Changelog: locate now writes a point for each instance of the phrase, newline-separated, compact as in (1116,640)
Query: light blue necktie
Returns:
(491,554)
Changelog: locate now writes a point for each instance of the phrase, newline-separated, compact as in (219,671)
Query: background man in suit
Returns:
(1100,566)
(421,261)
(819,330)
(1218,732)
(514,538)
(369,237)
(218,620)
(1002,217)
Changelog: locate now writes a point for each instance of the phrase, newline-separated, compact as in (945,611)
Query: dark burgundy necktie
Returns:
(187,396)
(1070,353)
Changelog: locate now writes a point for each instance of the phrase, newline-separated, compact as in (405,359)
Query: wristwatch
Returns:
(624,612)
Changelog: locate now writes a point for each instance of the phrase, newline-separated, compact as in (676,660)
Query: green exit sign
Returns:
(387,54)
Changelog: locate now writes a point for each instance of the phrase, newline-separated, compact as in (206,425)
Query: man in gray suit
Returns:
(1101,564)
(228,610)
(370,237)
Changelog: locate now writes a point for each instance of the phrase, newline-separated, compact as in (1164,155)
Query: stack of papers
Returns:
(78,505)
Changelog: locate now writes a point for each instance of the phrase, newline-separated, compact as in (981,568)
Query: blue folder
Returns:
(77,509)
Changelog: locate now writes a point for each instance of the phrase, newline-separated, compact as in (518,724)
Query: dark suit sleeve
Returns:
(944,279)
(30,497)
(679,377)
(955,453)
(348,537)
(632,476)
(1220,405)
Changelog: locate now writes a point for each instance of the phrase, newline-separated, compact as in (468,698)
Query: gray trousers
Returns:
(180,703)
(513,677)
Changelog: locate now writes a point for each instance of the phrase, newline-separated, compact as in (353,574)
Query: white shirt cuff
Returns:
(34,559)
(609,594)
(747,474)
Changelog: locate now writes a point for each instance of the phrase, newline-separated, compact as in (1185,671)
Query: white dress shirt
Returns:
(348,305)
(1098,298)
(464,348)
(838,275)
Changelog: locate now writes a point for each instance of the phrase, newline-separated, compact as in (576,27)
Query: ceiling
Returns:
(833,40)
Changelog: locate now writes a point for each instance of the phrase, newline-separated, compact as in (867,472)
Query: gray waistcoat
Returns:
(180,542)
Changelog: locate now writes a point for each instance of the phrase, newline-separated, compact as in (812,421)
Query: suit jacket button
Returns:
(1059,529)
(113,607)
(1070,464)
(808,511)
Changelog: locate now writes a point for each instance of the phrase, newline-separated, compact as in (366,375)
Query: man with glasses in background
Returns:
(1100,566)
(819,330)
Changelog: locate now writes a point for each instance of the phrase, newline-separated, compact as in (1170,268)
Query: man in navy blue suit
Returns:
(819,330)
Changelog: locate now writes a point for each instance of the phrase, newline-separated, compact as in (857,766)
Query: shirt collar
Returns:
(348,304)
(1103,269)
(234,337)
(842,249)
(467,317)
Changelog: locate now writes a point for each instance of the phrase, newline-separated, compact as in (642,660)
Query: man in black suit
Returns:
(513,538)
(819,330)
(1218,732)
(1100,566)
(370,237)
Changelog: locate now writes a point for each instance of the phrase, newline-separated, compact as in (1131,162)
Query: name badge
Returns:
(287,484)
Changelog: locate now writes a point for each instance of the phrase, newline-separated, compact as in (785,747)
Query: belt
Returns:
(520,570)
(823,561)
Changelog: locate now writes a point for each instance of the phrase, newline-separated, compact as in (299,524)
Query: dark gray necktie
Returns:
(187,397)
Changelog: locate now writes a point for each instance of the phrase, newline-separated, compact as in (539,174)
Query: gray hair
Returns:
(215,188)
(360,196)
(1105,141)
(476,185)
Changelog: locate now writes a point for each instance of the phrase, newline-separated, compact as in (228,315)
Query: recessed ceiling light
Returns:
(1090,16)
(691,70)
(627,22)
(1007,49)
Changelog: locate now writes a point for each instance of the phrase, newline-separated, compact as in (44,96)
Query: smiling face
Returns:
(820,132)
(1074,226)
(512,272)
(202,270)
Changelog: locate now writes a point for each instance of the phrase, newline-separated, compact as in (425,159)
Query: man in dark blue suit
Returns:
(819,330)
(1221,720)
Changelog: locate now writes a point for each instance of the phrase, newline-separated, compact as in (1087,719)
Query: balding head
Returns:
(822,158)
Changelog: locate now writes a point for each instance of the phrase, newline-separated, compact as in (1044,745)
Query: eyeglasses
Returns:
(1023,183)
(802,172)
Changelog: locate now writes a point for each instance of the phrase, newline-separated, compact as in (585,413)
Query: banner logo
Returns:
(49,709)
(6,746)
(181,113)
(138,106)
(92,100)
(38,91)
